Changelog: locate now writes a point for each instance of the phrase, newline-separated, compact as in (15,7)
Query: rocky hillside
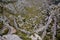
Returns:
(29,19)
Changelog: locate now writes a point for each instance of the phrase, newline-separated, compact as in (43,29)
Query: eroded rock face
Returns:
(11,37)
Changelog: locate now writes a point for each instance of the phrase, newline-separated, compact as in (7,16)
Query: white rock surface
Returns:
(11,37)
